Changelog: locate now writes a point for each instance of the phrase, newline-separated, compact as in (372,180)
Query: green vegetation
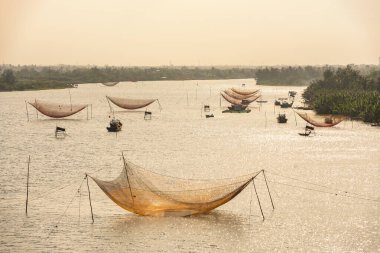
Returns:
(346,92)
(34,77)
(288,76)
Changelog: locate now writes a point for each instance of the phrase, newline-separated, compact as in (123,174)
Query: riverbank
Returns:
(346,92)
(57,77)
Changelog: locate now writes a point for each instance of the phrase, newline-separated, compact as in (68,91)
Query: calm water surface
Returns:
(180,141)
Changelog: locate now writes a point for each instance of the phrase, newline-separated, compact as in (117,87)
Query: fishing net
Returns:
(146,193)
(321,120)
(56,110)
(245,91)
(130,104)
(235,95)
(234,101)
(110,83)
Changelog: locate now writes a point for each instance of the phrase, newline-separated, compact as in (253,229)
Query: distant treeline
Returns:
(288,76)
(347,92)
(34,77)
(52,77)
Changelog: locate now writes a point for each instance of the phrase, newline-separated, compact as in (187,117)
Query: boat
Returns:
(286,104)
(308,131)
(279,100)
(303,108)
(292,93)
(237,109)
(261,101)
(115,126)
(281,118)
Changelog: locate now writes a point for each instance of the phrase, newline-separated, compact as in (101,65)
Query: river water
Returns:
(325,188)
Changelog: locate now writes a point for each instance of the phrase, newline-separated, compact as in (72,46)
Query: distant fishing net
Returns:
(321,120)
(249,92)
(56,110)
(110,83)
(131,104)
(235,101)
(146,193)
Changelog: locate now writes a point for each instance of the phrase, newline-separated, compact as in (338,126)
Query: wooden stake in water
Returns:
(89,198)
(70,100)
(265,119)
(258,199)
(27,113)
(27,189)
(187,98)
(270,196)
(36,108)
(295,118)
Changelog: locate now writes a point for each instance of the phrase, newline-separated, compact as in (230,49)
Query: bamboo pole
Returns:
(27,113)
(265,119)
(91,111)
(187,97)
(89,199)
(295,118)
(111,110)
(27,189)
(126,172)
(80,197)
(270,196)
(258,199)
(70,101)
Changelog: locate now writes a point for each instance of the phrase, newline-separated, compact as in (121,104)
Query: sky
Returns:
(189,32)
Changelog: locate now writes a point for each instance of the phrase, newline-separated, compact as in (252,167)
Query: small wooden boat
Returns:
(281,118)
(115,126)
(292,93)
(286,104)
(232,109)
(308,131)
(210,115)
(279,100)
(60,132)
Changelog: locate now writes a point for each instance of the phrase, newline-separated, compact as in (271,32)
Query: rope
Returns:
(67,207)
(319,185)
(54,190)
(332,193)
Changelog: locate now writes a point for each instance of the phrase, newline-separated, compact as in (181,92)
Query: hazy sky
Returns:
(189,32)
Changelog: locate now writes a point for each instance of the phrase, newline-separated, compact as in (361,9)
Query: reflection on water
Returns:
(181,142)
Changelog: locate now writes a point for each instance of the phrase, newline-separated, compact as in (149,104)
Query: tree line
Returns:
(48,77)
(346,91)
(288,76)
